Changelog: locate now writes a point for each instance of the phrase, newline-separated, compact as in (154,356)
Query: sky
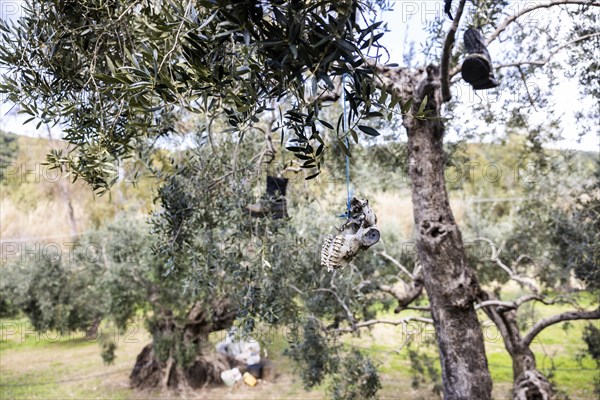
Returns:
(406,24)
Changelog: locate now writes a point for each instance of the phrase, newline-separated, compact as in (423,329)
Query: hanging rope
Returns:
(345,128)
(360,230)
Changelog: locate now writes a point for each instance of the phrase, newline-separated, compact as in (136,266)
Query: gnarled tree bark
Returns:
(529,382)
(150,371)
(450,283)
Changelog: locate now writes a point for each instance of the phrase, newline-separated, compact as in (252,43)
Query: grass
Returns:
(71,368)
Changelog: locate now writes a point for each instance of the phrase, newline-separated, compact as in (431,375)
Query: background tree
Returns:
(9,147)
(98,278)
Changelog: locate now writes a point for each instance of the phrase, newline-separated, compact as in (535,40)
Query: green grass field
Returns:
(70,367)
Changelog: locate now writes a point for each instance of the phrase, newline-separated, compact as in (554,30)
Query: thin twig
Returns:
(447,52)
(535,6)
(348,312)
(551,55)
(496,250)
(397,264)
(511,305)
(385,322)
(176,40)
(524,79)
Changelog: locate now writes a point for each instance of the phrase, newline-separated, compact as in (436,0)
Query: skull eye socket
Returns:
(373,234)
(371,237)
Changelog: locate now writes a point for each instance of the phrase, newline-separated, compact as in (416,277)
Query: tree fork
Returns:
(529,382)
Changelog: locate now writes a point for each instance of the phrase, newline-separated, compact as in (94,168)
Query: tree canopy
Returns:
(127,72)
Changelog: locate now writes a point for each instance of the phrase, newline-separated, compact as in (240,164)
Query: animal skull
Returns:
(358,233)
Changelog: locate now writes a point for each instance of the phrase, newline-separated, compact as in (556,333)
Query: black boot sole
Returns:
(477,71)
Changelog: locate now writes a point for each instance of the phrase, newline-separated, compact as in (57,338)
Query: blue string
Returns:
(345,128)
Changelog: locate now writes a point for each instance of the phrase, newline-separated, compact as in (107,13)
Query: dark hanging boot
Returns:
(276,191)
(448,9)
(273,203)
(477,68)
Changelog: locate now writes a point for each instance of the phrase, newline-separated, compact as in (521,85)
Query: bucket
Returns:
(231,376)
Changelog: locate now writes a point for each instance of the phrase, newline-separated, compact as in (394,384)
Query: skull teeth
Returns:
(331,254)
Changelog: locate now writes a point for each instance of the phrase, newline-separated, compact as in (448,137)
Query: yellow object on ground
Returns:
(249,379)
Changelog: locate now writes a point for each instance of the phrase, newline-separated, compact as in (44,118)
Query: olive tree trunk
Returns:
(180,356)
(529,382)
(450,283)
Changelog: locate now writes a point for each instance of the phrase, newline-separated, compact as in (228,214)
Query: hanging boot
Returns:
(477,68)
(448,9)
(273,203)
(276,191)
